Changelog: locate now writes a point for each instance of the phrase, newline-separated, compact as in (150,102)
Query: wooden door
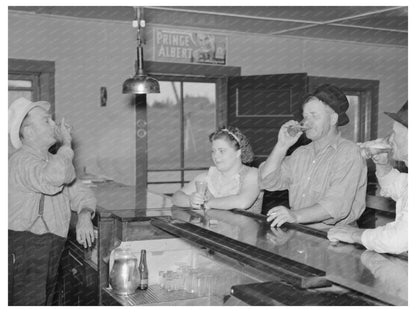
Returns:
(259,105)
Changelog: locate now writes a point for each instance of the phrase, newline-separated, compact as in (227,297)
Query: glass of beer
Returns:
(294,129)
(375,147)
(201,188)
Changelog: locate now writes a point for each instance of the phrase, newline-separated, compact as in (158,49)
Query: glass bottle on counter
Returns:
(144,273)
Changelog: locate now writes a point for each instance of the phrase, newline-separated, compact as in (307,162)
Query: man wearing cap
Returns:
(392,237)
(327,178)
(42,192)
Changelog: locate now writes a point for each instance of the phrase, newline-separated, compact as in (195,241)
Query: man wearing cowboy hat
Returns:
(42,192)
(392,237)
(327,178)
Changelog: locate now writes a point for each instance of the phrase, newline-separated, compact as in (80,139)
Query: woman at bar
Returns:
(230,183)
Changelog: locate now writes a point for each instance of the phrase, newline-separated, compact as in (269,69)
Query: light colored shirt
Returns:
(392,237)
(30,176)
(335,178)
(390,274)
(218,187)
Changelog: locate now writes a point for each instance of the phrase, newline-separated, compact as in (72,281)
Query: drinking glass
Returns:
(169,281)
(204,284)
(194,281)
(201,188)
(191,282)
(378,150)
(182,271)
(162,276)
(294,129)
(58,132)
(187,285)
(375,147)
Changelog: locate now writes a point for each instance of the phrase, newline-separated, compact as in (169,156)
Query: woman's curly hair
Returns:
(236,139)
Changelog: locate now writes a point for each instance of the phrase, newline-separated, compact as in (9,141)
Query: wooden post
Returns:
(141,151)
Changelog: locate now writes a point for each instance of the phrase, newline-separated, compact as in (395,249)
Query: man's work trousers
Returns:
(33,266)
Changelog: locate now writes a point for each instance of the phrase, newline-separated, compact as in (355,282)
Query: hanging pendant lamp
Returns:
(140,83)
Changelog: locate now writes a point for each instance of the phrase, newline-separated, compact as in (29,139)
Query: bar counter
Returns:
(246,261)
(291,265)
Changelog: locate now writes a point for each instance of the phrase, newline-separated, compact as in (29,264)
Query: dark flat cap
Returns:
(401,116)
(334,98)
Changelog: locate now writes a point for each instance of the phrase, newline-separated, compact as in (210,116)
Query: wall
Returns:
(258,55)
(332,59)
(89,54)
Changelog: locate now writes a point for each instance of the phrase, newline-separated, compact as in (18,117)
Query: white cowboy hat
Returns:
(17,112)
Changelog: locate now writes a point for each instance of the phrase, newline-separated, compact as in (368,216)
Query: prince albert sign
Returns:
(182,46)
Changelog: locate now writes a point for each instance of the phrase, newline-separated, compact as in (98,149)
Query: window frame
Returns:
(193,73)
(182,168)
(42,75)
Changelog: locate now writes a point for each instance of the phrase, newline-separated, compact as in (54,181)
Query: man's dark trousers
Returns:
(33,266)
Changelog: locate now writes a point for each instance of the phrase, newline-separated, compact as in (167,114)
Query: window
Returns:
(20,86)
(192,103)
(179,119)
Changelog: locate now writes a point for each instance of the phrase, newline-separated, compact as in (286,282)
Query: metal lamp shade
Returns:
(141,84)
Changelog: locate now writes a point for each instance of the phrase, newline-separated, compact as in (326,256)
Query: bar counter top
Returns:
(380,276)
(384,277)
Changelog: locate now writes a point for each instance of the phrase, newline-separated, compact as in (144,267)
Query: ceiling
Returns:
(386,25)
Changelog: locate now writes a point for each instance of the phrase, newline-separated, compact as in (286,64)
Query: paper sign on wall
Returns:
(189,47)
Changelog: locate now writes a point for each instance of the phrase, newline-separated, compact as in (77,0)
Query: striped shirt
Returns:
(32,174)
(335,178)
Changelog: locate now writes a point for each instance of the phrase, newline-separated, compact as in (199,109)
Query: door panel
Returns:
(259,105)
(262,140)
